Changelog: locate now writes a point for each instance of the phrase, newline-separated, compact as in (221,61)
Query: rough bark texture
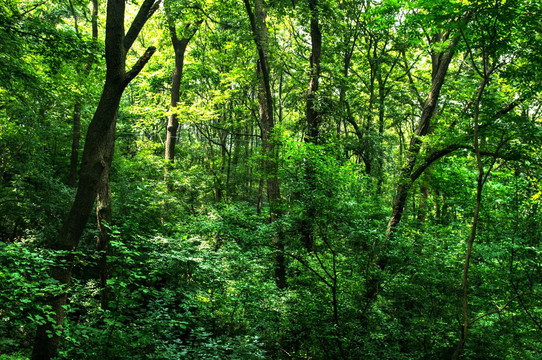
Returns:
(270,149)
(97,156)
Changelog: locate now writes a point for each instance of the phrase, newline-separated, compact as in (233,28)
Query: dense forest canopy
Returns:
(302,179)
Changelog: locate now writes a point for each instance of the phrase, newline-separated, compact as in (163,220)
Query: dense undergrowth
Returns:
(193,281)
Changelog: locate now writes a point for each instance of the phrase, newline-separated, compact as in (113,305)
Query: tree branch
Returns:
(511,106)
(496,311)
(145,12)
(432,158)
(518,295)
(139,65)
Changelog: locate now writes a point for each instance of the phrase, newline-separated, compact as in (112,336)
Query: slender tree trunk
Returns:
(313,123)
(179,47)
(76,137)
(270,148)
(97,157)
(422,206)
(260,196)
(381,114)
(311,110)
(480,181)
(94,19)
(464,281)
(367,151)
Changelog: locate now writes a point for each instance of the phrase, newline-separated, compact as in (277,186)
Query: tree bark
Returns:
(97,157)
(94,19)
(270,148)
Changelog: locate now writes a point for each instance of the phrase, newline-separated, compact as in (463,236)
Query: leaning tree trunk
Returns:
(408,175)
(440,63)
(97,157)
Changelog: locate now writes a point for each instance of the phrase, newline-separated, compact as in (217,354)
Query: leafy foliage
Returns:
(191,262)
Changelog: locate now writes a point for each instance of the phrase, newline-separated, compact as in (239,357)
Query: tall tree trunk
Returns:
(270,148)
(97,157)
(381,113)
(441,61)
(313,123)
(179,47)
(367,154)
(311,110)
(103,208)
(479,187)
(485,73)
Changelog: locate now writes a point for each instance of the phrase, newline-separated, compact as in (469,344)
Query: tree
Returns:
(442,50)
(487,55)
(270,148)
(179,48)
(194,271)
(313,118)
(97,157)
(311,108)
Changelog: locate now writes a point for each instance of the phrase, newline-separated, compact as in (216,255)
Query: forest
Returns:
(271,179)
